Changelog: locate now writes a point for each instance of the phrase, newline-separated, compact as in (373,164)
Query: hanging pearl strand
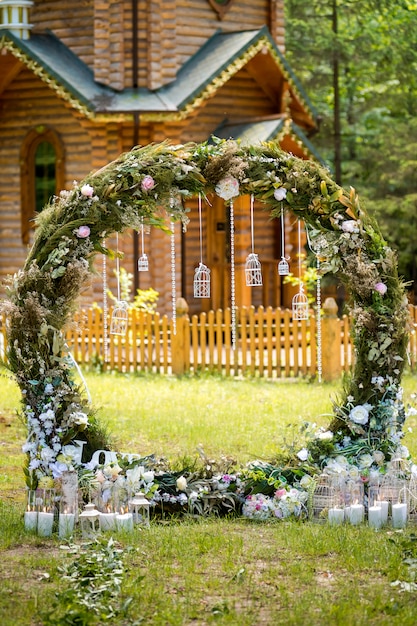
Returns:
(318,302)
(232,274)
(105,310)
(173,283)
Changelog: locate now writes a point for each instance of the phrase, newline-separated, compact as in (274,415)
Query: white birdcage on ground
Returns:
(119,319)
(202,281)
(300,305)
(253,270)
(326,496)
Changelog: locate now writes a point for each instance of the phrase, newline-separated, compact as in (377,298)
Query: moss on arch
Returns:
(133,189)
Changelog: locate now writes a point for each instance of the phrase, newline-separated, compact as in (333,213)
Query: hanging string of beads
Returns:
(143,263)
(283,267)
(253,271)
(105,311)
(300,301)
(232,274)
(173,271)
(119,318)
(202,272)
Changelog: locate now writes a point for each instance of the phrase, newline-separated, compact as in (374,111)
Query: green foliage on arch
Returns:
(147,184)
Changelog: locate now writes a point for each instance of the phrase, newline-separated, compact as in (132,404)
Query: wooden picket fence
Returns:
(268,343)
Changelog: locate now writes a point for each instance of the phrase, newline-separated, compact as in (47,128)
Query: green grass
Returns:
(205,571)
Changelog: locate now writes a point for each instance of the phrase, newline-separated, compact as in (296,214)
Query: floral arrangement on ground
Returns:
(150,186)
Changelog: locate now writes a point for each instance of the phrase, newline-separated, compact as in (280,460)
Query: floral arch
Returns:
(132,190)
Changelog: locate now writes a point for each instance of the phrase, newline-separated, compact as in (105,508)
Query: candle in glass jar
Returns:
(31,520)
(45,523)
(375,516)
(356,514)
(399,515)
(384,504)
(336,516)
(124,521)
(66,524)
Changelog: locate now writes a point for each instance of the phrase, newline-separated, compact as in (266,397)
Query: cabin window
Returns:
(42,174)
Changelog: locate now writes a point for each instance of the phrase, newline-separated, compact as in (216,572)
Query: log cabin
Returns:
(85,80)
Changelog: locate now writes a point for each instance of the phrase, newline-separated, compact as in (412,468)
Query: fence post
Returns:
(178,343)
(331,341)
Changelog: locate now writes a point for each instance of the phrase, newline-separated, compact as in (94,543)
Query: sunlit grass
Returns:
(205,571)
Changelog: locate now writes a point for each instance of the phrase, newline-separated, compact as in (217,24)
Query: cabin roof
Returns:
(224,54)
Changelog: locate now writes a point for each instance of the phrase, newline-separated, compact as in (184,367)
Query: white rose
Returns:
(280,193)
(181,483)
(359,414)
(326,435)
(350,226)
(303,454)
(365,460)
(148,476)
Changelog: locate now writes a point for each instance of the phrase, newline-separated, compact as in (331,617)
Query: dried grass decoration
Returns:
(70,231)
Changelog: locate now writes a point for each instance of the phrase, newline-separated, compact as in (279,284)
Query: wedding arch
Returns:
(149,184)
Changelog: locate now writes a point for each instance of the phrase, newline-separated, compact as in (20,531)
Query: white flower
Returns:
(79,418)
(280,193)
(227,188)
(49,389)
(181,483)
(359,414)
(48,455)
(148,476)
(325,435)
(365,460)
(303,454)
(350,226)
(47,415)
(379,457)
(306,481)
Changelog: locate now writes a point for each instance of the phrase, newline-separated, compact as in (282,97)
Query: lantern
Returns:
(283,267)
(119,319)
(89,519)
(253,271)
(143,263)
(139,506)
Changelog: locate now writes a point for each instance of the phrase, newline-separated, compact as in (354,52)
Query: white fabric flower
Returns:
(227,188)
(359,414)
(350,226)
(303,454)
(181,483)
(280,194)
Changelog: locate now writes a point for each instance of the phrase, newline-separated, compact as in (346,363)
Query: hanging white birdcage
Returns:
(202,281)
(119,319)
(143,263)
(253,270)
(300,305)
(283,267)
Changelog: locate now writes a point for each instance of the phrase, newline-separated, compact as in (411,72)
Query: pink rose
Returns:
(381,288)
(148,183)
(82,232)
(280,492)
(87,191)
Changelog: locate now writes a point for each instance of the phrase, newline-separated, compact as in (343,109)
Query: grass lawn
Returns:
(211,571)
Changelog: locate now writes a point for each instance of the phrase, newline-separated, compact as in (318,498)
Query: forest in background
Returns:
(357,60)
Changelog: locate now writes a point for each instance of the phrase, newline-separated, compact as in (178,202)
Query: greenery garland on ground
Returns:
(149,185)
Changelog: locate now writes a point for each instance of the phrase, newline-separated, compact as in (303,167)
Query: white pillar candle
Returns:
(375,516)
(399,515)
(124,521)
(356,514)
(347,513)
(45,523)
(31,520)
(66,524)
(384,504)
(336,516)
(107,521)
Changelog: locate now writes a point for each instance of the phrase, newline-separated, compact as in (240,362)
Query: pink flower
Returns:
(280,193)
(280,492)
(227,188)
(82,232)
(381,288)
(148,183)
(87,191)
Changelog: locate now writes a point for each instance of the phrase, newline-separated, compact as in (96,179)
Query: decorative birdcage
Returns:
(327,495)
(143,263)
(253,270)
(353,492)
(202,281)
(395,486)
(119,319)
(283,267)
(412,498)
(300,305)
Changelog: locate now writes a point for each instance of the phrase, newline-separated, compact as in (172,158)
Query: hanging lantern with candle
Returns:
(139,507)
(253,271)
